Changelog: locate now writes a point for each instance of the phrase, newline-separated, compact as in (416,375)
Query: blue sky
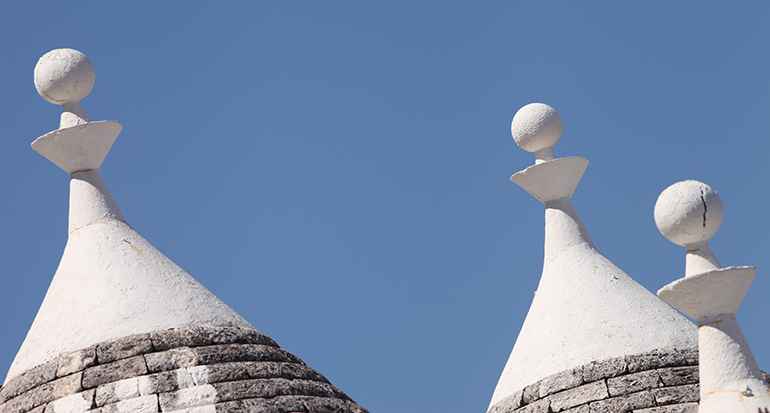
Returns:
(337,172)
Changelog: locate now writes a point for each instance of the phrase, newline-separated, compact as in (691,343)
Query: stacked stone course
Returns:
(662,381)
(185,370)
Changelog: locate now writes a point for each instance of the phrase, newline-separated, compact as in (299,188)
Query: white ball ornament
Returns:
(64,75)
(688,212)
(535,127)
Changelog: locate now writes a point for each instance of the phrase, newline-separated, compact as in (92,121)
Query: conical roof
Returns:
(585,309)
(124,327)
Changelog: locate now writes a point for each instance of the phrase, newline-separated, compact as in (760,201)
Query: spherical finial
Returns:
(535,127)
(64,75)
(688,212)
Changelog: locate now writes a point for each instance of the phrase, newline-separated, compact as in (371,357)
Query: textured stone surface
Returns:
(508,404)
(677,394)
(679,408)
(531,393)
(598,370)
(561,381)
(123,348)
(624,403)
(171,360)
(579,395)
(76,361)
(676,376)
(540,406)
(28,380)
(134,375)
(630,383)
(118,370)
(655,360)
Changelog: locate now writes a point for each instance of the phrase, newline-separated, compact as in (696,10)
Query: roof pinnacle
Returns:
(536,128)
(64,77)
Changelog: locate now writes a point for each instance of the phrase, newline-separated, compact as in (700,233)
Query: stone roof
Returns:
(124,329)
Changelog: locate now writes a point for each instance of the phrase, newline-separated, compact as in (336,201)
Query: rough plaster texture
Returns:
(585,308)
(730,379)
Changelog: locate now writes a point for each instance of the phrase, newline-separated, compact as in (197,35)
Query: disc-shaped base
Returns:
(551,180)
(79,147)
(705,296)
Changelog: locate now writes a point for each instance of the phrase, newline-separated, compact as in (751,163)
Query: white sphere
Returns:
(688,212)
(64,75)
(536,126)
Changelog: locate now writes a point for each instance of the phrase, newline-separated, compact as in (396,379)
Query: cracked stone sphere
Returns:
(64,75)
(688,212)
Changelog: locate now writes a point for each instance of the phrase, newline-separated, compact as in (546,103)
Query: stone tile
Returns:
(580,409)
(631,383)
(117,370)
(561,381)
(677,394)
(508,404)
(144,404)
(171,359)
(27,380)
(190,397)
(531,393)
(164,382)
(540,406)
(690,355)
(579,395)
(655,360)
(599,370)
(44,393)
(674,408)
(242,352)
(116,391)
(123,348)
(195,336)
(676,376)
(76,403)
(76,361)
(267,388)
(215,373)
(623,404)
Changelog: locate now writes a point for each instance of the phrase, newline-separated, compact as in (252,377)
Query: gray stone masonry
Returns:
(193,369)
(661,381)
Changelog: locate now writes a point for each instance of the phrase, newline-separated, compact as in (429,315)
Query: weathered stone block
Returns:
(655,360)
(540,406)
(631,383)
(144,404)
(599,370)
(164,382)
(323,405)
(561,381)
(75,403)
(117,370)
(623,404)
(246,389)
(531,393)
(508,404)
(171,359)
(116,391)
(674,408)
(44,393)
(123,348)
(215,373)
(677,394)
(580,409)
(579,395)
(242,352)
(190,397)
(76,361)
(27,380)
(690,355)
(195,336)
(677,376)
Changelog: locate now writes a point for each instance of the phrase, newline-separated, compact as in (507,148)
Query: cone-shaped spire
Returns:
(585,309)
(122,327)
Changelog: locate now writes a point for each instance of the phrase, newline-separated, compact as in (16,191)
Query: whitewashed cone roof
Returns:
(121,324)
(585,308)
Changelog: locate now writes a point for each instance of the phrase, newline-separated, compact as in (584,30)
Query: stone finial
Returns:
(536,128)
(64,77)
(689,213)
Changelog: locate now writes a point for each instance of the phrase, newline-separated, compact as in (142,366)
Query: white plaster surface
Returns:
(79,147)
(112,283)
(64,75)
(688,212)
(585,308)
(535,127)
